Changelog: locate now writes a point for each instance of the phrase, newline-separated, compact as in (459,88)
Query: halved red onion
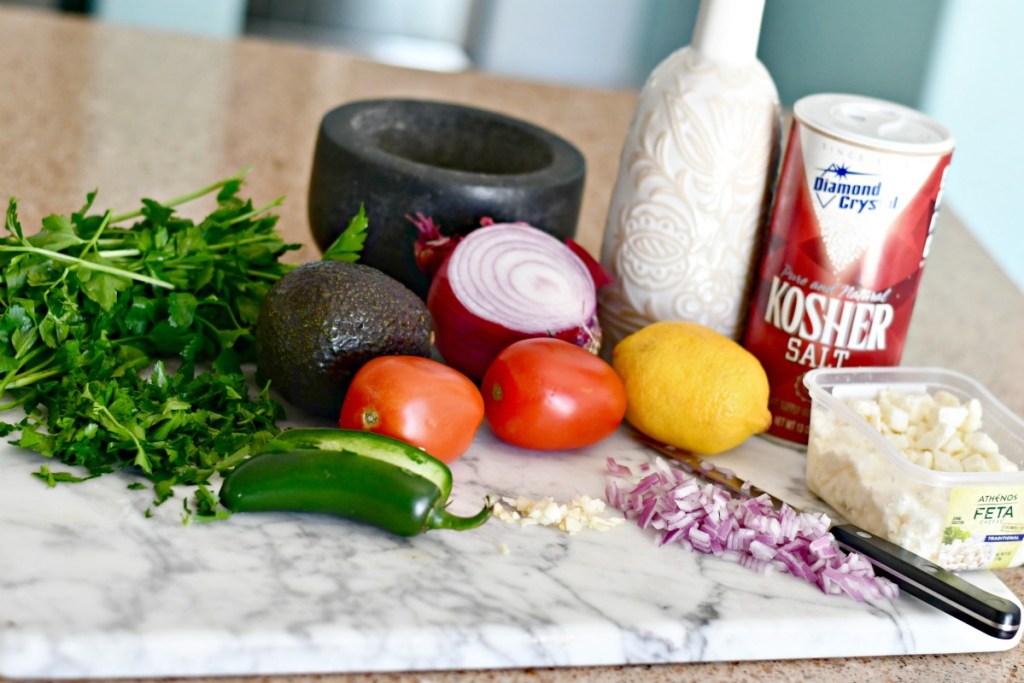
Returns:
(707,518)
(504,283)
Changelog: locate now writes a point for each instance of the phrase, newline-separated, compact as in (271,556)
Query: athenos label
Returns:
(984,528)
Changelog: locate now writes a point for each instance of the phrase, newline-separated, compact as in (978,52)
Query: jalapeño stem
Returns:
(440,518)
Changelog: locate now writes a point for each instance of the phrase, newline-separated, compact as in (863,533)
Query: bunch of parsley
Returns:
(90,304)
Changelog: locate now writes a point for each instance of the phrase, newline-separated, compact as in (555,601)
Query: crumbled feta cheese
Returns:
(965,554)
(933,428)
(582,512)
(975,462)
(933,431)
(897,418)
(944,462)
(973,421)
(981,443)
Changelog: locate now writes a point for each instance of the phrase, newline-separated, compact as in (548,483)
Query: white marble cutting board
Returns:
(90,587)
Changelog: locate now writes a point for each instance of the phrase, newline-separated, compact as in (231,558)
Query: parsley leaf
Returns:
(51,478)
(349,244)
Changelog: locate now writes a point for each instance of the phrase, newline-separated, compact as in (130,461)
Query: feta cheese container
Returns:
(925,457)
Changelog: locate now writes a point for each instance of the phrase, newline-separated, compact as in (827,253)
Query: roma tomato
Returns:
(548,394)
(417,400)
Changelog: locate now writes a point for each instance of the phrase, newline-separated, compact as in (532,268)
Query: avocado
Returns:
(322,321)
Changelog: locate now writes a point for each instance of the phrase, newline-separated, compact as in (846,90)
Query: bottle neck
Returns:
(728,30)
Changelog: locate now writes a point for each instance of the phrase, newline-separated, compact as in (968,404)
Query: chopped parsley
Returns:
(91,303)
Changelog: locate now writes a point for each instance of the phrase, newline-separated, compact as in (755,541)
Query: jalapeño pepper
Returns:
(357,475)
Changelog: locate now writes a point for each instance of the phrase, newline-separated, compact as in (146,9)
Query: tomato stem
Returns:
(371,418)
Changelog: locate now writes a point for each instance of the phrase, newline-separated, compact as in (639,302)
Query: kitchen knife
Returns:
(925,580)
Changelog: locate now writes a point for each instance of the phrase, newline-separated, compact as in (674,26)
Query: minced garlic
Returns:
(582,512)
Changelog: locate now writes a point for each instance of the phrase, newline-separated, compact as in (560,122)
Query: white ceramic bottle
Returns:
(695,178)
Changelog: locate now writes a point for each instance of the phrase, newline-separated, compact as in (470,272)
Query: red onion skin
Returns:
(432,248)
(600,276)
(470,344)
(466,342)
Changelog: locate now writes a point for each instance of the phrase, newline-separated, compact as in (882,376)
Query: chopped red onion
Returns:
(617,470)
(707,518)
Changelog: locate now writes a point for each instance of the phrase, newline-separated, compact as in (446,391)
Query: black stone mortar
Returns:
(453,163)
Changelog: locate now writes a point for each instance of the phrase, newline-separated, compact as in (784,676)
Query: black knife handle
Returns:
(927,581)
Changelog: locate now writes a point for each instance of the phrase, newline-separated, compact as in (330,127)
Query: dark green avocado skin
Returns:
(321,322)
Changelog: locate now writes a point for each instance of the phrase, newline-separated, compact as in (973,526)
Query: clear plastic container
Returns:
(960,520)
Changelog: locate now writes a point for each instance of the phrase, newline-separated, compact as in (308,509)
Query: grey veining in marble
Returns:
(90,587)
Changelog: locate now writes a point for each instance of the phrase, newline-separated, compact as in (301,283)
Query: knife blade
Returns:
(915,575)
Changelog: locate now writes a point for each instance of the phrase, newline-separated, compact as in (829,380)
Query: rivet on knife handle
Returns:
(941,589)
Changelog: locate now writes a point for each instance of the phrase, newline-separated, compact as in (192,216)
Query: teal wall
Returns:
(869,47)
(975,85)
(880,48)
(222,18)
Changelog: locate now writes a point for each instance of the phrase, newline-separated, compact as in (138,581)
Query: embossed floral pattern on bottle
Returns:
(691,198)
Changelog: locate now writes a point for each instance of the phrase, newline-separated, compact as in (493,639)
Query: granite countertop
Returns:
(135,113)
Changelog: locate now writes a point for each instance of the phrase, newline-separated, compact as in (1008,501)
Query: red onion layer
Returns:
(508,282)
(701,516)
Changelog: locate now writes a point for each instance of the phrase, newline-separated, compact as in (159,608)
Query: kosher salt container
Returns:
(850,229)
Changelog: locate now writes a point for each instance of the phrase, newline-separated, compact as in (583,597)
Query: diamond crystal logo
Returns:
(855,204)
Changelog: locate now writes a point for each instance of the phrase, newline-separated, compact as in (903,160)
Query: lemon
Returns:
(692,387)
